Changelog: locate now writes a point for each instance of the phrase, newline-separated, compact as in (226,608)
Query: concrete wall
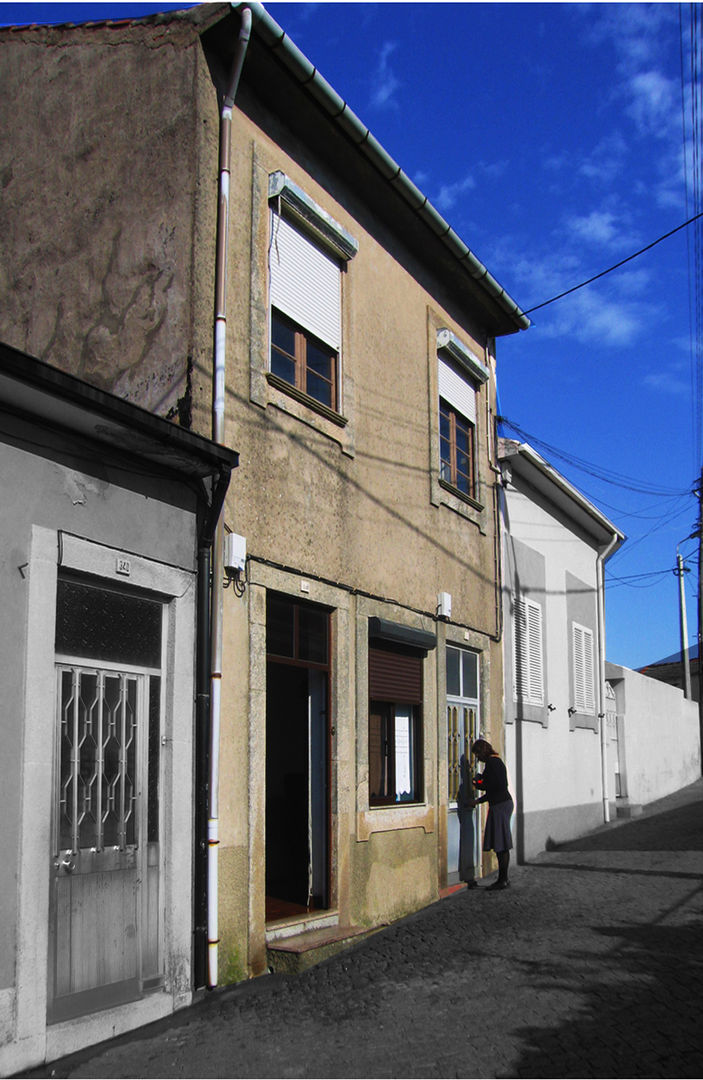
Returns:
(103,204)
(660,740)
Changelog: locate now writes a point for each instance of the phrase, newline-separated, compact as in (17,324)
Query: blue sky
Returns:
(550,137)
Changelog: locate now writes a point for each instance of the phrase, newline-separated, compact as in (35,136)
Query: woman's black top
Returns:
(495,782)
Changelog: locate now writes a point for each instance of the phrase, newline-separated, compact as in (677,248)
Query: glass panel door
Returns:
(463,727)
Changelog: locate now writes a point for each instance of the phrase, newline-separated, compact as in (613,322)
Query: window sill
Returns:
(527,713)
(305,399)
(460,495)
(583,720)
(394,818)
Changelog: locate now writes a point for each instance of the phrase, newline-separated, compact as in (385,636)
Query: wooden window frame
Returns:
(302,338)
(454,416)
(387,712)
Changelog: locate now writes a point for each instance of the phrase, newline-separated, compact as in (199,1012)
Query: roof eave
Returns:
(511,318)
(531,465)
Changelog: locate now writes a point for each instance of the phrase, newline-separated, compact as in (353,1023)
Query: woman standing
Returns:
(494,783)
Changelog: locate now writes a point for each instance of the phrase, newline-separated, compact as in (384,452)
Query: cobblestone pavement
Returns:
(590,965)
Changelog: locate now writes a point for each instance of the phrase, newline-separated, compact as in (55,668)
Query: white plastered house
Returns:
(555,543)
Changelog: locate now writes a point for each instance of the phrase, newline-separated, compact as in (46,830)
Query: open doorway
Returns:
(297,758)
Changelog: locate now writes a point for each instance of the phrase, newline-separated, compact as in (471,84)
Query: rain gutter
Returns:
(218,435)
(276,39)
(601,559)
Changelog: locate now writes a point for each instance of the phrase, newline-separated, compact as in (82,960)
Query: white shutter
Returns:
(456,390)
(528,677)
(534,638)
(305,282)
(584,689)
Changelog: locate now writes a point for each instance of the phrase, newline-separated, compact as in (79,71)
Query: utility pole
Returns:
(680,571)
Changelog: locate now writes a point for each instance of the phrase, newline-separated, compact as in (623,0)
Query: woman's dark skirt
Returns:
(497,836)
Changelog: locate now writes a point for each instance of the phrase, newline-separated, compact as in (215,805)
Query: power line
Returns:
(636,581)
(606,475)
(615,266)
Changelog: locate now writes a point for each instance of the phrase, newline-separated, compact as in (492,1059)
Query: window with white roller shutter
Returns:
(457,426)
(305,282)
(308,251)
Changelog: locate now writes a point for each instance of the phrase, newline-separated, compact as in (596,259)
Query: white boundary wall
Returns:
(659,748)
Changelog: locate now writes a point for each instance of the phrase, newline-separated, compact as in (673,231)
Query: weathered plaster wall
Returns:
(351,503)
(103,203)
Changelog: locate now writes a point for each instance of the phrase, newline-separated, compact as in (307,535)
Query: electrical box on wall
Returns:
(235,553)
(444,605)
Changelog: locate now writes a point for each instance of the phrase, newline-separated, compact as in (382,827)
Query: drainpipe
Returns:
(600,562)
(218,435)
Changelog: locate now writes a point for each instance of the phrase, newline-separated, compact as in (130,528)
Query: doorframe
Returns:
(325,669)
(342,766)
(51,550)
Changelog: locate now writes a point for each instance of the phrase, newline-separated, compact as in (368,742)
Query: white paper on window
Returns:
(403,753)
(305,282)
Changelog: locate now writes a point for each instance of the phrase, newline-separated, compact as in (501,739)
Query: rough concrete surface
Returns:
(590,965)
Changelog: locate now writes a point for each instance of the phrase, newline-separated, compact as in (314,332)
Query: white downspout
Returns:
(602,716)
(218,435)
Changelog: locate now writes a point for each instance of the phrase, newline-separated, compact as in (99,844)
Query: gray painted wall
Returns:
(77,494)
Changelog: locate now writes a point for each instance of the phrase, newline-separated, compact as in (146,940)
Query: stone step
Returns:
(625,809)
(291,955)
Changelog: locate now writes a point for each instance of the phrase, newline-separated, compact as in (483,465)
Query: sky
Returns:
(555,139)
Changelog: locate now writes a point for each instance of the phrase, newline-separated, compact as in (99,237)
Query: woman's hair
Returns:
(482,746)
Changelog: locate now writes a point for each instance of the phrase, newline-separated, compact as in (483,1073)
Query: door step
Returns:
(296,953)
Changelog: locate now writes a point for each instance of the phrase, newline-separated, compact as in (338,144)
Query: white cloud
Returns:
(604,163)
(599,227)
(385,81)
(449,194)
(633,30)
(596,318)
(614,312)
(668,383)
(654,101)
(631,35)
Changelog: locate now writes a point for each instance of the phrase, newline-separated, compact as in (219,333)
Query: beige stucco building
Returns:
(356,347)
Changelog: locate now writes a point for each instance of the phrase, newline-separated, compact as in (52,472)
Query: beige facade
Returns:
(333,810)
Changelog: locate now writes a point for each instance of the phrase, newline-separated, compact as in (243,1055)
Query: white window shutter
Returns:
(457,390)
(534,638)
(305,282)
(519,648)
(584,682)
(528,671)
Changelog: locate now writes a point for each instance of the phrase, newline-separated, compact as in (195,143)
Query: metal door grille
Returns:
(461,731)
(98,756)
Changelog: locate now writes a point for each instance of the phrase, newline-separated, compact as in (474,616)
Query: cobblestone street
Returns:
(590,965)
